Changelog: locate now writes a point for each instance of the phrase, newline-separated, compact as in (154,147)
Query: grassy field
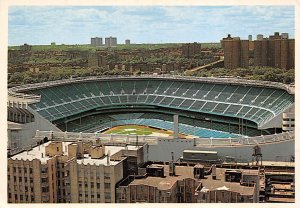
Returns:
(136,130)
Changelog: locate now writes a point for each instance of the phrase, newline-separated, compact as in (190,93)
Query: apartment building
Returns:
(276,51)
(189,50)
(110,41)
(70,172)
(236,52)
(96,41)
(160,183)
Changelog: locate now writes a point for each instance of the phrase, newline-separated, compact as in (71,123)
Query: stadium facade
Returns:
(229,116)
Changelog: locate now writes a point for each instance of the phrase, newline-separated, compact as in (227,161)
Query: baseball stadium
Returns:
(171,113)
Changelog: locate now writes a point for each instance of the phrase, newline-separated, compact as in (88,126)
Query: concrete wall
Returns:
(275,151)
(23,136)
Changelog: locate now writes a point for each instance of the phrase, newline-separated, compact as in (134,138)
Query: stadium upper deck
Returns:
(251,100)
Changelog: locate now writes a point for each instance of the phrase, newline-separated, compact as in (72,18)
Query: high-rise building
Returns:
(189,50)
(97,59)
(71,172)
(276,51)
(250,37)
(127,42)
(111,41)
(96,41)
(236,52)
(259,37)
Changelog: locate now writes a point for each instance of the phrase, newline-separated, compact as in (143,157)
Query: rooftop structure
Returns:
(191,184)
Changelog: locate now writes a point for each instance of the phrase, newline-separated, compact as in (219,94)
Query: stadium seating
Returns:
(248,102)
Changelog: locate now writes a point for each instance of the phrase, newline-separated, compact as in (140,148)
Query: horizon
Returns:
(145,24)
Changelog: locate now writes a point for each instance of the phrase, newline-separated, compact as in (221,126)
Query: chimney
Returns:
(176,126)
(172,166)
(108,157)
(214,172)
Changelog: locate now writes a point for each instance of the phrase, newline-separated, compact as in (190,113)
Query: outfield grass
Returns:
(135,130)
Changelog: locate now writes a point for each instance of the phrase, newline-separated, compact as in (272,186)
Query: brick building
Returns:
(190,50)
(276,51)
(96,41)
(189,184)
(97,59)
(159,186)
(73,172)
(111,41)
(229,186)
(236,52)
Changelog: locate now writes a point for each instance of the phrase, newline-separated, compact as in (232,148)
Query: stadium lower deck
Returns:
(206,109)
(187,126)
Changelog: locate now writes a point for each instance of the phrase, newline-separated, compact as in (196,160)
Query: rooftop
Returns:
(221,184)
(167,182)
(39,153)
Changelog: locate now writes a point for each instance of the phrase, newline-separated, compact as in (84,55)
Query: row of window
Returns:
(86,184)
(17,188)
(20,169)
(288,119)
(20,197)
(288,125)
(20,179)
(107,195)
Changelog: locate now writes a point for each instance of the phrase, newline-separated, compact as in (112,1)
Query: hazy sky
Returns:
(145,24)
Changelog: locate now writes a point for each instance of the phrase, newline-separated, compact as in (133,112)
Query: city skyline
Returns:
(145,24)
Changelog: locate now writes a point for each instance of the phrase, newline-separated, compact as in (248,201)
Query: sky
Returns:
(41,25)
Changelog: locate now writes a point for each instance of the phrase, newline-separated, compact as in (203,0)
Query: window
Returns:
(20,179)
(107,195)
(98,195)
(98,185)
(15,178)
(25,170)
(92,184)
(21,197)
(44,170)
(31,180)
(14,169)
(45,189)
(8,177)
(25,179)
(9,195)
(44,180)
(106,185)
(30,170)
